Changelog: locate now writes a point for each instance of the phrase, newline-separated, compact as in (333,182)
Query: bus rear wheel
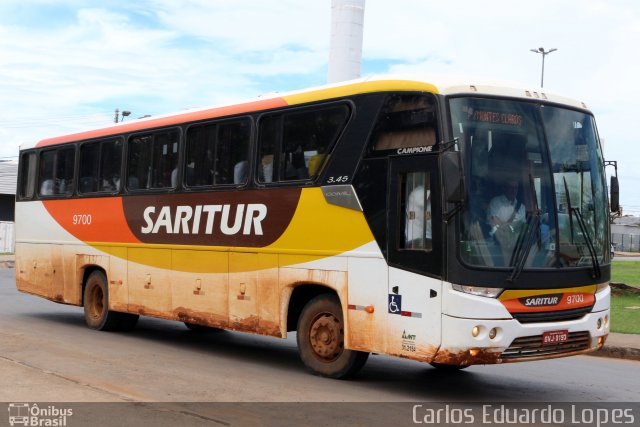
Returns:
(96,307)
(321,339)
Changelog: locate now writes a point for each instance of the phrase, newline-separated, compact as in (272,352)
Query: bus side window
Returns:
(89,161)
(232,149)
(295,146)
(416,206)
(269,138)
(110,161)
(406,121)
(56,172)
(139,162)
(308,138)
(164,170)
(217,154)
(153,160)
(27,175)
(200,155)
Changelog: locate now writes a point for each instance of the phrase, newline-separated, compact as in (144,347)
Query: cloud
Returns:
(134,60)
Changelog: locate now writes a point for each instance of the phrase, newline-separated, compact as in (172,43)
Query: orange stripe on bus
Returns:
(178,119)
(568,301)
(95,220)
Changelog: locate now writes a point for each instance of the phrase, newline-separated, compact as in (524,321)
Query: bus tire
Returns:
(320,339)
(96,304)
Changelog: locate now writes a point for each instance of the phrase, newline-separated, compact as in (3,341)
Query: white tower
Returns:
(345,51)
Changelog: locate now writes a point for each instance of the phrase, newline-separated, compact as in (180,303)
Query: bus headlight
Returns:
(478,290)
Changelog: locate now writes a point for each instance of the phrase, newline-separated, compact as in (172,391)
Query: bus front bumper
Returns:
(487,341)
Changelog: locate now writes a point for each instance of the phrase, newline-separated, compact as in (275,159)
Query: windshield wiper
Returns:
(583,227)
(521,255)
(592,250)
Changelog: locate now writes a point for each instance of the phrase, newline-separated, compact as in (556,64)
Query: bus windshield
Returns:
(535,185)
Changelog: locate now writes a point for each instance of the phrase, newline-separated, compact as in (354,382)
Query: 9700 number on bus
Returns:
(82,219)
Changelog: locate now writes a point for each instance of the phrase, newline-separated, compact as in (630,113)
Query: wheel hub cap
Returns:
(326,337)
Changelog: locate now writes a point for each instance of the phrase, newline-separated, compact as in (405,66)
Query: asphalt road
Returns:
(47,354)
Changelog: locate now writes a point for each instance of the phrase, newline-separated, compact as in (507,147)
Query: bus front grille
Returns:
(532,346)
(552,316)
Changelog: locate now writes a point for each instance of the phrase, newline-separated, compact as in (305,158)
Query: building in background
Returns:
(625,234)
(8,180)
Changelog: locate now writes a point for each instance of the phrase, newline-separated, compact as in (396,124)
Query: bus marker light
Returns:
(474,352)
(606,320)
(475,331)
(492,333)
(369,309)
(600,342)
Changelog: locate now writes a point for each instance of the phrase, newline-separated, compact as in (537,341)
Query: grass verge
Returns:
(625,312)
(627,272)
(625,304)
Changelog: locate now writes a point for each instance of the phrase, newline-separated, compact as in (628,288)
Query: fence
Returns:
(7,237)
(626,242)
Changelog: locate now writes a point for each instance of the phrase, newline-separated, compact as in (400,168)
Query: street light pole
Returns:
(118,118)
(544,53)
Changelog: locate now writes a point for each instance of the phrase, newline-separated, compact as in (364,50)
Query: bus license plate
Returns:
(554,337)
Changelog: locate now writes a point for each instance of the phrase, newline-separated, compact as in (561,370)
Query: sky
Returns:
(66,65)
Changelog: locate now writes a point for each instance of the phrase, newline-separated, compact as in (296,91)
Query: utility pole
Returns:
(345,51)
(544,53)
(115,120)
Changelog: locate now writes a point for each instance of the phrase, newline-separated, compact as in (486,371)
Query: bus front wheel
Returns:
(96,307)
(321,339)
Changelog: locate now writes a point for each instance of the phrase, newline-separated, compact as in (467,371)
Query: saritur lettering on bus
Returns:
(187,219)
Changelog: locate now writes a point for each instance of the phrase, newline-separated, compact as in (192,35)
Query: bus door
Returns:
(414,250)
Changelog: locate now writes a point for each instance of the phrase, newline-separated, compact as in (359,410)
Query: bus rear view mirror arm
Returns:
(452,176)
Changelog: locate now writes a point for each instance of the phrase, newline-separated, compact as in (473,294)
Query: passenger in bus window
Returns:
(418,219)
(506,216)
(134,182)
(240,172)
(298,164)
(46,189)
(266,168)
(506,208)
(174,177)
(60,186)
(111,183)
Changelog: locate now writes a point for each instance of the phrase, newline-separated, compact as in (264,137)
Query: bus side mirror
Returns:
(614,198)
(453,178)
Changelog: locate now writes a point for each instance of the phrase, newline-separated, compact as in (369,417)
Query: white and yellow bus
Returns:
(449,224)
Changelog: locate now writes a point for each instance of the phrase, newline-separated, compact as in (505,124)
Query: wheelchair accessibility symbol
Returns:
(395,304)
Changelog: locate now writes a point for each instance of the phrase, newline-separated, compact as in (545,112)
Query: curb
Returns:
(617,352)
(7,264)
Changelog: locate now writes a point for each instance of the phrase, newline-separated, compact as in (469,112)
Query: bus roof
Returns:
(364,85)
